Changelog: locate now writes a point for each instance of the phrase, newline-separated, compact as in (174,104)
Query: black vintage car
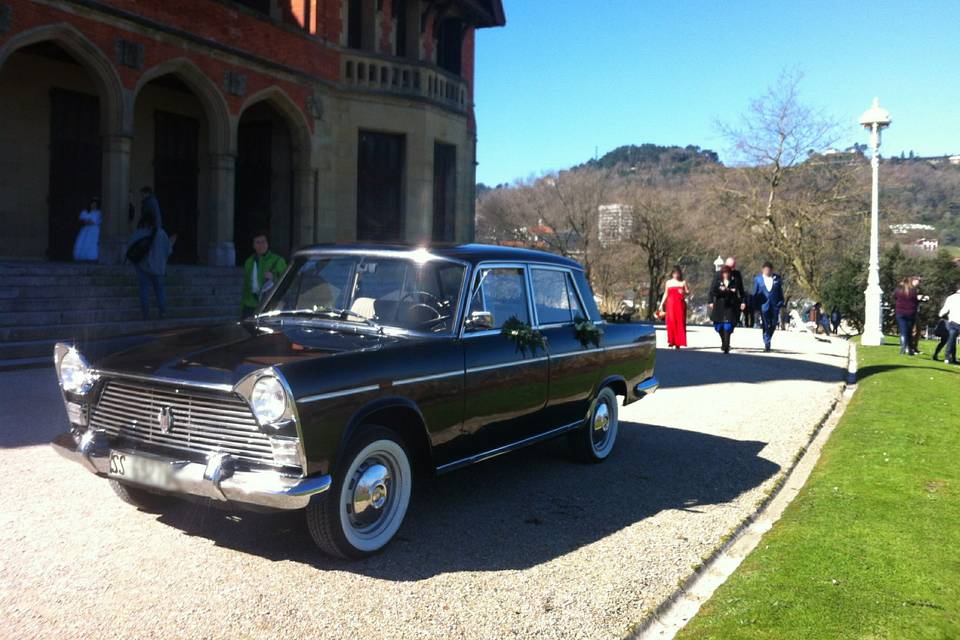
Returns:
(365,364)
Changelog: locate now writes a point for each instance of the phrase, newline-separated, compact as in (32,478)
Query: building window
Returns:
(400,11)
(262,6)
(380,169)
(450,44)
(444,191)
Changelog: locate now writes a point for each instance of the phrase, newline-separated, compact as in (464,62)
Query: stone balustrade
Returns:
(404,78)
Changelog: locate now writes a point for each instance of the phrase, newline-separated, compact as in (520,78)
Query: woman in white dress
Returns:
(87,245)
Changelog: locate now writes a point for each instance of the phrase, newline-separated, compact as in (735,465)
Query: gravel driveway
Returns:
(524,545)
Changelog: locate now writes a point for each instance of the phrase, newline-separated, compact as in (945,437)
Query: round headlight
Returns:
(74,373)
(268,399)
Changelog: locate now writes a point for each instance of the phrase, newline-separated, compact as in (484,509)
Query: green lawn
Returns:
(870,548)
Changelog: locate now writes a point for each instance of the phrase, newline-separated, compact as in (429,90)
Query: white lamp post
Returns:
(718,263)
(874,120)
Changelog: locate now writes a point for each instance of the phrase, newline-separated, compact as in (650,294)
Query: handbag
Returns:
(138,250)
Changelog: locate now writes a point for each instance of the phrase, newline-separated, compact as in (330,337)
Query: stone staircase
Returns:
(43,302)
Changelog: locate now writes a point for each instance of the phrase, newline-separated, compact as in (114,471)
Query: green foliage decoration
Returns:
(587,332)
(523,335)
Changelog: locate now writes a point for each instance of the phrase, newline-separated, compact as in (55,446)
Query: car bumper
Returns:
(216,479)
(647,387)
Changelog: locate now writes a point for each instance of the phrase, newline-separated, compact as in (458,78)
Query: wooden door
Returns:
(253,185)
(75,166)
(175,175)
(444,191)
(380,186)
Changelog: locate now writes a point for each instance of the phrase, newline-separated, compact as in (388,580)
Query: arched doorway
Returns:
(269,150)
(178,119)
(50,155)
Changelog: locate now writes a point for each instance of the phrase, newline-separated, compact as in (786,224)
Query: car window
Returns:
(503,293)
(554,296)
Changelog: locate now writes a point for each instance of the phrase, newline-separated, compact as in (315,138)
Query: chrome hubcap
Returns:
(601,418)
(371,493)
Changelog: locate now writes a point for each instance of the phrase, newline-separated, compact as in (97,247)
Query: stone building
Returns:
(316,120)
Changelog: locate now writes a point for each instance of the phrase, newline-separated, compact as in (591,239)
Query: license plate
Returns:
(154,473)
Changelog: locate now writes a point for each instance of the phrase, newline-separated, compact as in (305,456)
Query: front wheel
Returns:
(365,506)
(594,441)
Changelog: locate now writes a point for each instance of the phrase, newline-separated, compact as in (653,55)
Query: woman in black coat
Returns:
(725,300)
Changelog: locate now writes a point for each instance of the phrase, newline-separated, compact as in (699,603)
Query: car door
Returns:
(574,366)
(504,388)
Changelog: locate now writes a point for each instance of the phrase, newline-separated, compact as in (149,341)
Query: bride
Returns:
(87,245)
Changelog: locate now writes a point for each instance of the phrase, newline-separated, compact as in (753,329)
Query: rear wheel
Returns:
(365,506)
(595,440)
(141,498)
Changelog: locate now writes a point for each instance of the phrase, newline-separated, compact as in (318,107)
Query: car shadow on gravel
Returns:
(518,510)
(694,368)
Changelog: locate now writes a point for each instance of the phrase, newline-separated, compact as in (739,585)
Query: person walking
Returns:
(675,301)
(726,298)
(260,272)
(737,278)
(86,248)
(950,312)
(148,249)
(835,319)
(768,300)
(906,304)
(149,205)
(943,333)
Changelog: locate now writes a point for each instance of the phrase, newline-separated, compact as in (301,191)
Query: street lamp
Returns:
(718,263)
(874,120)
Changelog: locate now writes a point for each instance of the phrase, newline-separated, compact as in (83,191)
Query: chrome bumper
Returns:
(216,479)
(648,386)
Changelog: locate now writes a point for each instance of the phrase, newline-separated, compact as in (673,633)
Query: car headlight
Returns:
(268,399)
(74,372)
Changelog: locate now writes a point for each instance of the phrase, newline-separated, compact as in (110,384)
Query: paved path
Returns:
(525,545)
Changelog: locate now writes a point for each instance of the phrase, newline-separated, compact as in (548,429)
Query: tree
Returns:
(803,210)
(843,291)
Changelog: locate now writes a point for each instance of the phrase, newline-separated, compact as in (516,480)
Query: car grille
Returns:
(203,421)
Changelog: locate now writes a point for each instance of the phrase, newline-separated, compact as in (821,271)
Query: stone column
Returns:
(418,208)
(115,197)
(221,250)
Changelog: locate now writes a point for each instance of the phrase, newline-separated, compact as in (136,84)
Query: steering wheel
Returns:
(437,302)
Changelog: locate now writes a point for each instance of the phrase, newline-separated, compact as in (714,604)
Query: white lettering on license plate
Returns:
(154,473)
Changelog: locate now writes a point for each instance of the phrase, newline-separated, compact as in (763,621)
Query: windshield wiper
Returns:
(323,312)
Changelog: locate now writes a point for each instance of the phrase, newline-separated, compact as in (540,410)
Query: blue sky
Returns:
(567,76)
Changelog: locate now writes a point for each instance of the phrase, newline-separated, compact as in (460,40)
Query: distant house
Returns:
(927,244)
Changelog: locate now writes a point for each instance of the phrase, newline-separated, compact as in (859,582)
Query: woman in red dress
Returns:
(675,301)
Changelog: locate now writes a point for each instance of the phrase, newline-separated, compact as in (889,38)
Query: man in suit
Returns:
(768,300)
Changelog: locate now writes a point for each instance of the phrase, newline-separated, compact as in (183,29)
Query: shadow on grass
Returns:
(871,370)
(518,510)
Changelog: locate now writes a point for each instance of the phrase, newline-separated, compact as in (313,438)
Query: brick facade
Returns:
(231,57)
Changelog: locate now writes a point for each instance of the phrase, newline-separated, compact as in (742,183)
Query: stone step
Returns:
(16,338)
(67,291)
(39,268)
(131,301)
(73,316)
(119,279)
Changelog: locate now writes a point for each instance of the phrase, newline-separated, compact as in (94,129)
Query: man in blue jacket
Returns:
(768,300)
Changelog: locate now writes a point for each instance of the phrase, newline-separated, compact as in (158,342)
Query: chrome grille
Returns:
(203,421)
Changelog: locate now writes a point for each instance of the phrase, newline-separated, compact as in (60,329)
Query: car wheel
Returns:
(141,498)
(594,441)
(365,506)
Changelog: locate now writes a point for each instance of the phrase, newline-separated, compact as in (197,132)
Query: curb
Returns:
(687,588)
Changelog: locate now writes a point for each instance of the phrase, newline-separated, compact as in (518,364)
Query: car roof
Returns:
(473,253)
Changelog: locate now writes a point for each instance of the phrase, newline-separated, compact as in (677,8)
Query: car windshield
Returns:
(399,292)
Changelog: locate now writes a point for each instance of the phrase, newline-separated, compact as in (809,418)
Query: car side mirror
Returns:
(480,320)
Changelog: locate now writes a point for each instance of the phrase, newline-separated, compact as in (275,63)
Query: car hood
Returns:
(225,354)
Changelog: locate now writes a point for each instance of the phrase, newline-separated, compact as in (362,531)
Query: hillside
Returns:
(670,160)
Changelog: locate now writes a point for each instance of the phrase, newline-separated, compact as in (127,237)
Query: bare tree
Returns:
(797,201)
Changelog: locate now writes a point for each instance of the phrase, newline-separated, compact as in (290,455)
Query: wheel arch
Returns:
(401,415)
(616,382)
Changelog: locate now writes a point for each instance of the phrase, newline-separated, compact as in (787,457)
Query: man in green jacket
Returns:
(261,271)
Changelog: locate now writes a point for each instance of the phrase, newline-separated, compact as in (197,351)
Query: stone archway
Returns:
(57,126)
(274,191)
(182,148)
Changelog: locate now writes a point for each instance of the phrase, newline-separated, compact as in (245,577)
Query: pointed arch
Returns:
(90,57)
(296,119)
(214,104)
